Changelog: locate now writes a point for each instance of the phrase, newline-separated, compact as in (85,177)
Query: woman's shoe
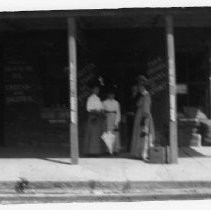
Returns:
(145,159)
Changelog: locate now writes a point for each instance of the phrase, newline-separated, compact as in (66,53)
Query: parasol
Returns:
(109,140)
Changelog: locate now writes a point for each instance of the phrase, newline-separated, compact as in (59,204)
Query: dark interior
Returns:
(117,54)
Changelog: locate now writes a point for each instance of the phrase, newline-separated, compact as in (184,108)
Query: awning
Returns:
(46,5)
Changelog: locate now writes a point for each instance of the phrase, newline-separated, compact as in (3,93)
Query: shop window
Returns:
(193,74)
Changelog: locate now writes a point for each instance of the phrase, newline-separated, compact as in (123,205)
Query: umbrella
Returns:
(109,140)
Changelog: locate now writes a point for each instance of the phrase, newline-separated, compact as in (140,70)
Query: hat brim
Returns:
(142,80)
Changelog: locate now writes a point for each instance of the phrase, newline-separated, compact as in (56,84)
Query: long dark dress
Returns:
(140,143)
(93,145)
(130,119)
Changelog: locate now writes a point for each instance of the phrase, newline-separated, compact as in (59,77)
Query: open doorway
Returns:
(118,56)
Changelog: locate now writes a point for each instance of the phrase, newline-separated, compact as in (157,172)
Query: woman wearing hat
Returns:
(143,130)
(96,123)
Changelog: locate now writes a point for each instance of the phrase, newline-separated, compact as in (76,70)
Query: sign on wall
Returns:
(20,83)
(85,75)
(157,75)
(158,82)
(182,89)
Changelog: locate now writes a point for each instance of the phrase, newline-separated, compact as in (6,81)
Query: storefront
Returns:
(44,54)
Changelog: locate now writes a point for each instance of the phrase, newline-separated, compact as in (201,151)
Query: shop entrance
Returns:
(117,56)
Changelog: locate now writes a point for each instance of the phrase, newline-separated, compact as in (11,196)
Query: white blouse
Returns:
(113,106)
(94,103)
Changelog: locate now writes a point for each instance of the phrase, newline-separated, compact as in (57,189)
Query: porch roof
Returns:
(46,5)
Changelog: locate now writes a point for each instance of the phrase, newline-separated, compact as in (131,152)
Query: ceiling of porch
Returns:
(101,22)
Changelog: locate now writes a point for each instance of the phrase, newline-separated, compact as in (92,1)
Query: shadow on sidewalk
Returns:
(188,152)
(49,153)
(34,152)
(65,162)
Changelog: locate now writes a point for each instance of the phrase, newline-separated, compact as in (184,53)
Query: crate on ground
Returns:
(158,154)
(205,130)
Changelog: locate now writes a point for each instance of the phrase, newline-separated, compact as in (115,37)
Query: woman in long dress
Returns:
(93,144)
(113,117)
(143,130)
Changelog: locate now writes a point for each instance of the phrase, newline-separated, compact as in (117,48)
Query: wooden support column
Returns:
(72,51)
(173,146)
(209,85)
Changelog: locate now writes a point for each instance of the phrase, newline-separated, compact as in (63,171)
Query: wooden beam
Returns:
(173,146)
(209,85)
(72,48)
(106,12)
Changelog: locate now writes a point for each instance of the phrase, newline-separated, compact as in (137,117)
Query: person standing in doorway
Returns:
(113,117)
(143,130)
(131,109)
(93,144)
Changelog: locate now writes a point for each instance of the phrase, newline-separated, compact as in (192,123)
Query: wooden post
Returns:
(173,146)
(209,83)
(2,98)
(74,153)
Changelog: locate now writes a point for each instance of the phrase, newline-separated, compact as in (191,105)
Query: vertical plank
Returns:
(2,98)
(72,52)
(173,146)
(209,83)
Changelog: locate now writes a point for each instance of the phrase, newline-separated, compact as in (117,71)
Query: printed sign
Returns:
(172,108)
(182,89)
(73,93)
(157,75)
(19,83)
(85,75)
(158,82)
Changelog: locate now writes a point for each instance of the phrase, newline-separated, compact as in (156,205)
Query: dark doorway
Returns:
(118,56)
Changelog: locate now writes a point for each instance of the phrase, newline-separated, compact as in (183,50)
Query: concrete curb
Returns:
(102,186)
(67,198)
(40,192)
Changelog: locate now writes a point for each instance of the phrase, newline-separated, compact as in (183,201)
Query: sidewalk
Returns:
(108,176)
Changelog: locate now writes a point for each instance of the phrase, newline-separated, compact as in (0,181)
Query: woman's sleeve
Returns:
(103,105)
(118,115)
(89,104)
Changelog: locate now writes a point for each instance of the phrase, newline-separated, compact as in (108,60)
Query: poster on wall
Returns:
(157,73)
(158,82)
(85,75)
(182,89)
(20,83)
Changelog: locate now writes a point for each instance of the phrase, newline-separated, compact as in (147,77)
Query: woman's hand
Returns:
(116,128)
